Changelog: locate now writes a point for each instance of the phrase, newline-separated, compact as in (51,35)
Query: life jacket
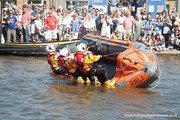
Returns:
(50,61)
(62,62)
(79,57)
(115,37)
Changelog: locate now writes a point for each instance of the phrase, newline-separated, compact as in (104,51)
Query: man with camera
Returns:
(12,22)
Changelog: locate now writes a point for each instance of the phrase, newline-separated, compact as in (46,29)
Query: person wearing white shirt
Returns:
(18,16)
(47,34)
(59,25)
(69,18)
(90,24)
(120,23)
(38,23)
(39,26)
(65,24)
(105,30)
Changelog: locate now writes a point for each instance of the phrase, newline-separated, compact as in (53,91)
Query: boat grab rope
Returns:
(111,54)
(127,58)
(135,63)
(172,82)
(165,79)
(129,63)
(159,79)
(121,52)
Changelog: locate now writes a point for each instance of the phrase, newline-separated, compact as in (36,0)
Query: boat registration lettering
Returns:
(137,80)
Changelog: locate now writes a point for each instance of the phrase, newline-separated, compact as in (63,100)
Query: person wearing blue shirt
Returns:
(75,25)
(158,26)
(12,22)
(148,30)
(96,13)
(166,31)
(90,9)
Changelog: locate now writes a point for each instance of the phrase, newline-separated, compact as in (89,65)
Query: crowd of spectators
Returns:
(40,23)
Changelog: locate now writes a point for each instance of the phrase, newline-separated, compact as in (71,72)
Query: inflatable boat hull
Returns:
(129,64)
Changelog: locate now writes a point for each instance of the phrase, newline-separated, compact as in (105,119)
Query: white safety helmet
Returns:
(64,52)
(82,47)
(50,48)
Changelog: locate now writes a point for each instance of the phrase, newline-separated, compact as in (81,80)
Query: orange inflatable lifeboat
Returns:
(129,64)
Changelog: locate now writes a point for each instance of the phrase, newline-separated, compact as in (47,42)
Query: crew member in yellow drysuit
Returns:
(86,63)
(67,62)
(53,60)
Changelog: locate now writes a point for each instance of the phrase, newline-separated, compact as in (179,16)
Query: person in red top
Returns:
(157,37)
(51,22)
(25,20)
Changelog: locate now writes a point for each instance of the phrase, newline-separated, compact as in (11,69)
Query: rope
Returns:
(172,82)
(124,67)
(131,64)
(128,64)
(118,53)
(124,57)
(165,79)
(160,76)
(111,54)
(159,79)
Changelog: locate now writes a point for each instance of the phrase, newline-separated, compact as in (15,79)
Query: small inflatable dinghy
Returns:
(129,64)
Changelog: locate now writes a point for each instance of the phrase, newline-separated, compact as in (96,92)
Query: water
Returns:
(28,91)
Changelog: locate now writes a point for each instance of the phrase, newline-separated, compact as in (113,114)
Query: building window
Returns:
(35,2)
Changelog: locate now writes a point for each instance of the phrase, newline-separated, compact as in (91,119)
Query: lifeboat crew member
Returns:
(86,63)
(67,62)
(53,60)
